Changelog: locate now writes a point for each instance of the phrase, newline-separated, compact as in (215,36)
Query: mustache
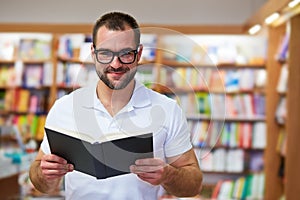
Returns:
(120,69)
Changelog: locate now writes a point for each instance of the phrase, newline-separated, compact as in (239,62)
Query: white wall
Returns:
(197,12)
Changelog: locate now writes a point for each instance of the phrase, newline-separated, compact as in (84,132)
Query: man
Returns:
(118,103)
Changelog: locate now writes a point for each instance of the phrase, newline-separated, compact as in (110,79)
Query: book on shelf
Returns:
(39,134)
(47,78)
(260,78)
(33,75)
(205,158)
(7,48)
(2,100)
(221,160)
(248,105)
(247,79)
(245,105)
(282,51)
(234,106)
(85,52)
(38,101)
(34,49)
(233,135)
(146,75)
(259,135)
(199,133)
(217,105)
(259,102)
(235,160)
(256,161)
(7,75)
(243,135)
(213,134)
(217,80)
(226,190)
(281,142)
(22,98)
(283,79)
(232,80)
(244,187)
(217,189)
(203,103)
(149,42)
(104,157)
(238,188)
(281,111)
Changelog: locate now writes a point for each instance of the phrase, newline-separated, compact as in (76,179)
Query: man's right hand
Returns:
(54,167)
(47,171)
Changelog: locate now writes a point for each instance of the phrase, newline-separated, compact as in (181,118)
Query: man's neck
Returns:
(114,100)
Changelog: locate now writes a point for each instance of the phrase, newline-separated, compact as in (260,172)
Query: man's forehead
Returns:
(108,38)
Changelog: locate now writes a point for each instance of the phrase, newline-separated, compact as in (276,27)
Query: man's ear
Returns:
(140,52)
(92,52)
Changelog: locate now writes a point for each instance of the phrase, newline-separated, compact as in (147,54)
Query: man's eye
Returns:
(126,53)
(105,53)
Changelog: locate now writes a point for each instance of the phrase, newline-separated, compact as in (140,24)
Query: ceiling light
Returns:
(270,19)
(293,3)
(254,29)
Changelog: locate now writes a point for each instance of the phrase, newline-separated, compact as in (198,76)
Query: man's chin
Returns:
(118,85)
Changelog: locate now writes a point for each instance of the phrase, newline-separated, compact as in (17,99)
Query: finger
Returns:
(150,179)
(150,161)
(146,168)
(56,172)
(151,175)
(54,165)
(54,158)
(53,174)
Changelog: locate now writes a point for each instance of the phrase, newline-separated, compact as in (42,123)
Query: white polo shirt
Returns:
(147,111)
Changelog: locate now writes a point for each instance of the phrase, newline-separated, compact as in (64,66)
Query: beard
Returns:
(124,81)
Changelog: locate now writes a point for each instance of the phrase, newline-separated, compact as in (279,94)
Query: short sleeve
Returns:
(178,140)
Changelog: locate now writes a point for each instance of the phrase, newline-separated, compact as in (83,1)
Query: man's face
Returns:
(116,74)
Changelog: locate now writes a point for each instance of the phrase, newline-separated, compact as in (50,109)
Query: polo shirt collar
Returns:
(140,97)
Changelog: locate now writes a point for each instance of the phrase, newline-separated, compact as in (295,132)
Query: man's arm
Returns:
(182,177)
(46,172)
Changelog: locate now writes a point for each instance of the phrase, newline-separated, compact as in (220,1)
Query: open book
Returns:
(104,158)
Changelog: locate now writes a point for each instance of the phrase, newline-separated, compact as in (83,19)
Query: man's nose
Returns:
(115,63)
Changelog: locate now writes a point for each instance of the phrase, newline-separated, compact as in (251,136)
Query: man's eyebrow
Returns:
(125,49)
(103,49)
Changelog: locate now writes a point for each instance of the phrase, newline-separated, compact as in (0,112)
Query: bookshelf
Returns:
(185,72)
(292,124)
(282,182)
(274,184)
(25,80)
(25,84)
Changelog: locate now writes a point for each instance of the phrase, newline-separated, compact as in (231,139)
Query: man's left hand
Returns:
(151,170)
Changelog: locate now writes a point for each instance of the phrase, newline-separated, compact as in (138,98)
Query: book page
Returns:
(90,139)
(75,134)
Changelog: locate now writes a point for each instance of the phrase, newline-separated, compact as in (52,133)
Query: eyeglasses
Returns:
(125,56)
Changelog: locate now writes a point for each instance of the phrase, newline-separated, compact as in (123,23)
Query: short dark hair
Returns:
(116,21)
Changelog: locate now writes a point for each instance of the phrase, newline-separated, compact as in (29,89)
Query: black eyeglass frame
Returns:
(117,53)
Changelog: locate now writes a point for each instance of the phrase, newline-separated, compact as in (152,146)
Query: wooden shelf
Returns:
(7,61)
(192,89)
(172,63)
(228,148)
(292,163)
(224,118)
(74,60)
